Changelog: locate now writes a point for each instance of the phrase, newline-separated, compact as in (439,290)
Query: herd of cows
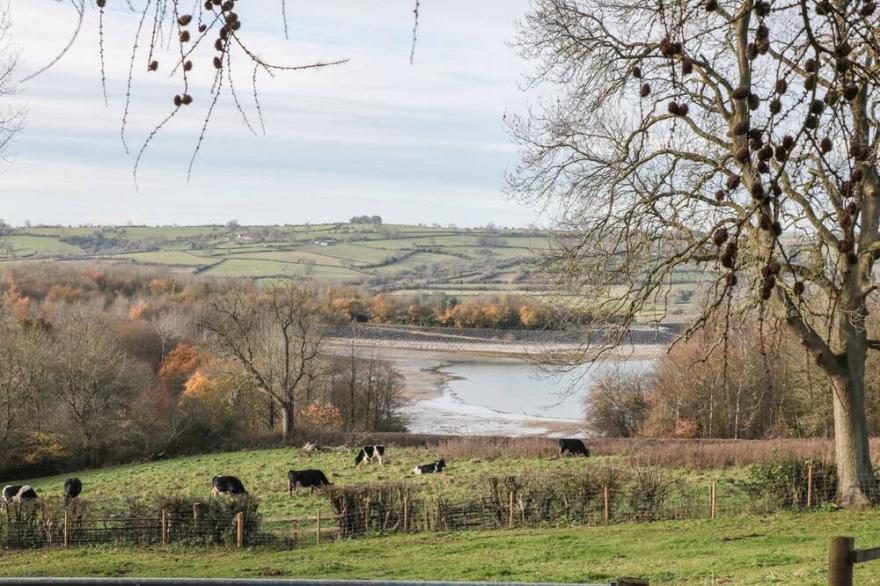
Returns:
(313,479)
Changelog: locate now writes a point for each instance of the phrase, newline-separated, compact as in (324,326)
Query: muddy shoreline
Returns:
(424,368)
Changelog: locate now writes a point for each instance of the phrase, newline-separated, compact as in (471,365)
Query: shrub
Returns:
(783,482)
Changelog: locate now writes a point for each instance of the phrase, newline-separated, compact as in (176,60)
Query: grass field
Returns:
(778,549)
(389,257)
(264,473)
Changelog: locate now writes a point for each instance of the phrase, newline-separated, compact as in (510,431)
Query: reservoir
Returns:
(511,398)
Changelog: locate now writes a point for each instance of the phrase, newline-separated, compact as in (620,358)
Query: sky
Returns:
(421,143)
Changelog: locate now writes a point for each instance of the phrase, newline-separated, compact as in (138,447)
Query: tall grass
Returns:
(669,453)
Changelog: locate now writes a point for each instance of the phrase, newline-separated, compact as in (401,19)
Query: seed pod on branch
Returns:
(720,236)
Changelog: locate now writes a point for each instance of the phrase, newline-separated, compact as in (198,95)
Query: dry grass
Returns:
(669,453)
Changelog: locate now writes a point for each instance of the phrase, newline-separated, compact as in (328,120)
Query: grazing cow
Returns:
(230,485)
(370,453)
(307,479)
(27,493)
(432,468)
(19,493)
(9,492)
(574,447)
(72,489)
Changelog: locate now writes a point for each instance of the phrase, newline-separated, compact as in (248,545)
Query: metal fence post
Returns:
(840,566)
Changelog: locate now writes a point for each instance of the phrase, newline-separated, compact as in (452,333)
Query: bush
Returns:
(782,483)
(128,521)
(369,508)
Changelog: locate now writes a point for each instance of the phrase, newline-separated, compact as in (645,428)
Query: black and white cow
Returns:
(574,447)
(72,489)
(230,485)
(370,453)
(19,493)
(432,468)
(307,479)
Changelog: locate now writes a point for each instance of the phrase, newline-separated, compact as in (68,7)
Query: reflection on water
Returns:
(507,398)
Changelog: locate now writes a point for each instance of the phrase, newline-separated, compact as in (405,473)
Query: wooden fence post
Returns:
(714,494)
(840,567)
(164,526)
(809,485)
(405,514)
(318,527)
(239,529)
(66,538)
(510,517)
(605,501)
(196,518)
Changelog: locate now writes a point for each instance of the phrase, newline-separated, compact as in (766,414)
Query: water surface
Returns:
(509,398)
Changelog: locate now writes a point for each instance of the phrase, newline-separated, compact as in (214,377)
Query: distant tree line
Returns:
(104,365)
(374,220)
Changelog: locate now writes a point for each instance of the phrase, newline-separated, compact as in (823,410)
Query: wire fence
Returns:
(592,498)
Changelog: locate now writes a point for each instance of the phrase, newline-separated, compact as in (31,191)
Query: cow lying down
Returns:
(432,468)
(307,479)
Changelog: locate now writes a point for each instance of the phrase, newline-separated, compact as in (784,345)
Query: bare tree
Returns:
(736,137)
(273,335)
(11,116)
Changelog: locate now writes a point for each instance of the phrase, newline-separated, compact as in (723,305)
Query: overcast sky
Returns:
(374,136)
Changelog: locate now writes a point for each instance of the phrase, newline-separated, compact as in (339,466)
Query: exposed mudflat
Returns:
(466,387)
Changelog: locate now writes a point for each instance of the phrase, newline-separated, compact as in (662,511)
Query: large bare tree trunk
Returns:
(856,483)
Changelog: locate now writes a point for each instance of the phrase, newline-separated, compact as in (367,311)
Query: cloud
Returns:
(415,144)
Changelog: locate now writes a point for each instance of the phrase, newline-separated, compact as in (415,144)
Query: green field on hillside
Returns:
(389,258)
(784,549)
(264,473)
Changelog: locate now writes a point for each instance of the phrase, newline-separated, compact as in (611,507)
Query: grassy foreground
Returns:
(779,549)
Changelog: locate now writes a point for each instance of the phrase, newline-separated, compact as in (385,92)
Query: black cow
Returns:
(431,468)
(19,493)
(369,453)
(230,485)
(307,479)
(574,447)
(72,489)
